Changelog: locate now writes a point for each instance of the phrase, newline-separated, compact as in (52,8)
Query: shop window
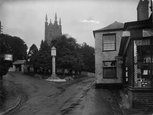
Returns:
(126,74)
(109,69)
(129,64)
(109,42)
(142,63)
(142,51)
(142,78)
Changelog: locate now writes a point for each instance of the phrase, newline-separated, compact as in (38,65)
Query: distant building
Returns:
(52,30)
(19,65)
(107,65)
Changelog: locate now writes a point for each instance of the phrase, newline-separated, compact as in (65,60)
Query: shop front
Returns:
(143,66)
(136,51)
(139,63)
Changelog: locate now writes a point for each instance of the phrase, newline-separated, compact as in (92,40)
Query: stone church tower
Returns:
(52,30)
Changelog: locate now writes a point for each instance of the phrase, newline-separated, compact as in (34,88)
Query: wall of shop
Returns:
(141,99)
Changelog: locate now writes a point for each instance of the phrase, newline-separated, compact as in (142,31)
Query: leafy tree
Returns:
(79,64)
(43,60)
(32,55)
(88,56)
(10,45)
(15,46)
(68,56)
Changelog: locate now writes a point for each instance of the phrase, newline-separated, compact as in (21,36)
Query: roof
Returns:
(142,24)
(145,25)
(19,62)
(114,26)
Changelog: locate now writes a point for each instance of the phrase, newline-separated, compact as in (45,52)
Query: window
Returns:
(109,42)
(126,74)
(109,69)
(142,63)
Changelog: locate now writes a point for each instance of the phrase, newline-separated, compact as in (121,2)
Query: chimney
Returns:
(143,10)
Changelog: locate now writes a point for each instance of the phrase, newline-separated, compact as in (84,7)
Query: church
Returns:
(52,30)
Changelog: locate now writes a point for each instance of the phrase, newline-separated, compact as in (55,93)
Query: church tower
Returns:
(52,30)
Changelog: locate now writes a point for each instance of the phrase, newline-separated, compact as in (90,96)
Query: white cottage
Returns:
(107,63)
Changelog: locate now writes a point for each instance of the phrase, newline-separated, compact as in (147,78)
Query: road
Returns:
(78,97)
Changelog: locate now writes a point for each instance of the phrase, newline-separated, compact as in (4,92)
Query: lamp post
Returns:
(53,54)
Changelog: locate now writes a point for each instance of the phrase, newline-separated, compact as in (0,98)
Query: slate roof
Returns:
(114,26)
(19,62)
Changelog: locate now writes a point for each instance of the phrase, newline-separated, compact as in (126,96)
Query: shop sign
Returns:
(147,32)
(142,42)
(8,57)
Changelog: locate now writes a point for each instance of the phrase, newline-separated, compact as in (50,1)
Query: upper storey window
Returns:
(109,42)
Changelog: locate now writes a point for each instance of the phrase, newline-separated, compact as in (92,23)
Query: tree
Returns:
(79,64)
(88,56)
(10,45)
(43,58)
(68,56)
(15,46)
(32,55)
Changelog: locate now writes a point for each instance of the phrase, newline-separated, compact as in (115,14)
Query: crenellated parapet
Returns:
(52,30)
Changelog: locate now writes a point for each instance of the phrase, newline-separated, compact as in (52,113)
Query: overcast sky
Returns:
(25,18)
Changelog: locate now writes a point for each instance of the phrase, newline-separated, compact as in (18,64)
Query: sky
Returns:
(26,18)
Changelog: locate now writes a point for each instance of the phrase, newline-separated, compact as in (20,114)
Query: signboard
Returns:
(142,42)
(147,32)
(8,57)
(126,34)
(53,51)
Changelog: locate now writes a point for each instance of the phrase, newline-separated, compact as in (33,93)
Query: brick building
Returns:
(136,50)
(107,64)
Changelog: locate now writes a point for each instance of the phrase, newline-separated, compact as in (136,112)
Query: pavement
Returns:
(124,104)
(117,98)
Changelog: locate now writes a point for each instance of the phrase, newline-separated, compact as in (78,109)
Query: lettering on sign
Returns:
(142,42)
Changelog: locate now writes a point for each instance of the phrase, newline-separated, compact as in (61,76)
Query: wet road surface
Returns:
(78,97)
